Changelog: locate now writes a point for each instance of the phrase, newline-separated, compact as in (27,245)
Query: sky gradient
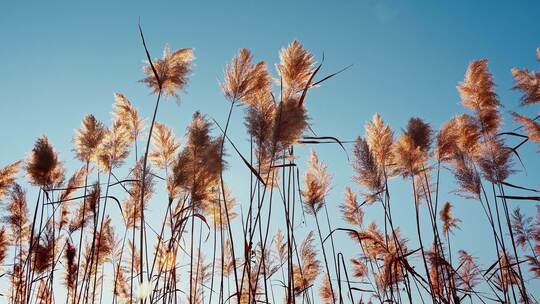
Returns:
(63,60)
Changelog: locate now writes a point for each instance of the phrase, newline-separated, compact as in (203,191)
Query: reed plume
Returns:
(306,273)
(295,67)
(360,269)
(8,174)
(172,70)
(448,219)
(244,80)
(460,135)
(368,172)
(43,251)
(74,182)
(351,211)
(379,138)
(216,206)
(132,207)
(114,148)
(469,275)
(410,151)
(325,292)
(17,215)
(496,161)
(531,127)
(528,82)
(468,178)
(290,121)
(198,165)
(42,166)
(126,114)
(70,255)
(88,138)
(165,146)
(316,185)
(478,94)
(523,228)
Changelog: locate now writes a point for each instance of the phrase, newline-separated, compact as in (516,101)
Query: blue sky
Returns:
(63,60)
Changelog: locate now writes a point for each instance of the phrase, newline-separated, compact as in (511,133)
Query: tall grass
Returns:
(86,239)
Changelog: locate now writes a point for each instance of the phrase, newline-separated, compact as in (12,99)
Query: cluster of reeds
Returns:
(87,239)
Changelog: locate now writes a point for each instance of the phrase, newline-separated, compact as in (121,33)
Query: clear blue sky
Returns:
(63,60)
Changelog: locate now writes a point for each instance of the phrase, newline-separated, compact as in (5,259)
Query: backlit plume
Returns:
(245,80)
(114,148)
(295,68)
(379,138)
(88,137)
(172,70)
(165,146)
(478,94)
(126,114)
(316,185)
(197,166)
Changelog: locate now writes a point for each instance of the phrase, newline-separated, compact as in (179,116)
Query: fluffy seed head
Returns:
(379,138)
(88,137)
(295,67)
(172,70)
(245,80)
(43,167)
(316,185)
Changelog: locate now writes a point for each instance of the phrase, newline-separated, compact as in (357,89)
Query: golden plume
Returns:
(126,114)
(244,80)
(165,146)
(351,211)
(523,228)
(295,67)
(316,185)
(87,138)
(114,148)
(478,94)
(173,71)
(379,138)
(467,176)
